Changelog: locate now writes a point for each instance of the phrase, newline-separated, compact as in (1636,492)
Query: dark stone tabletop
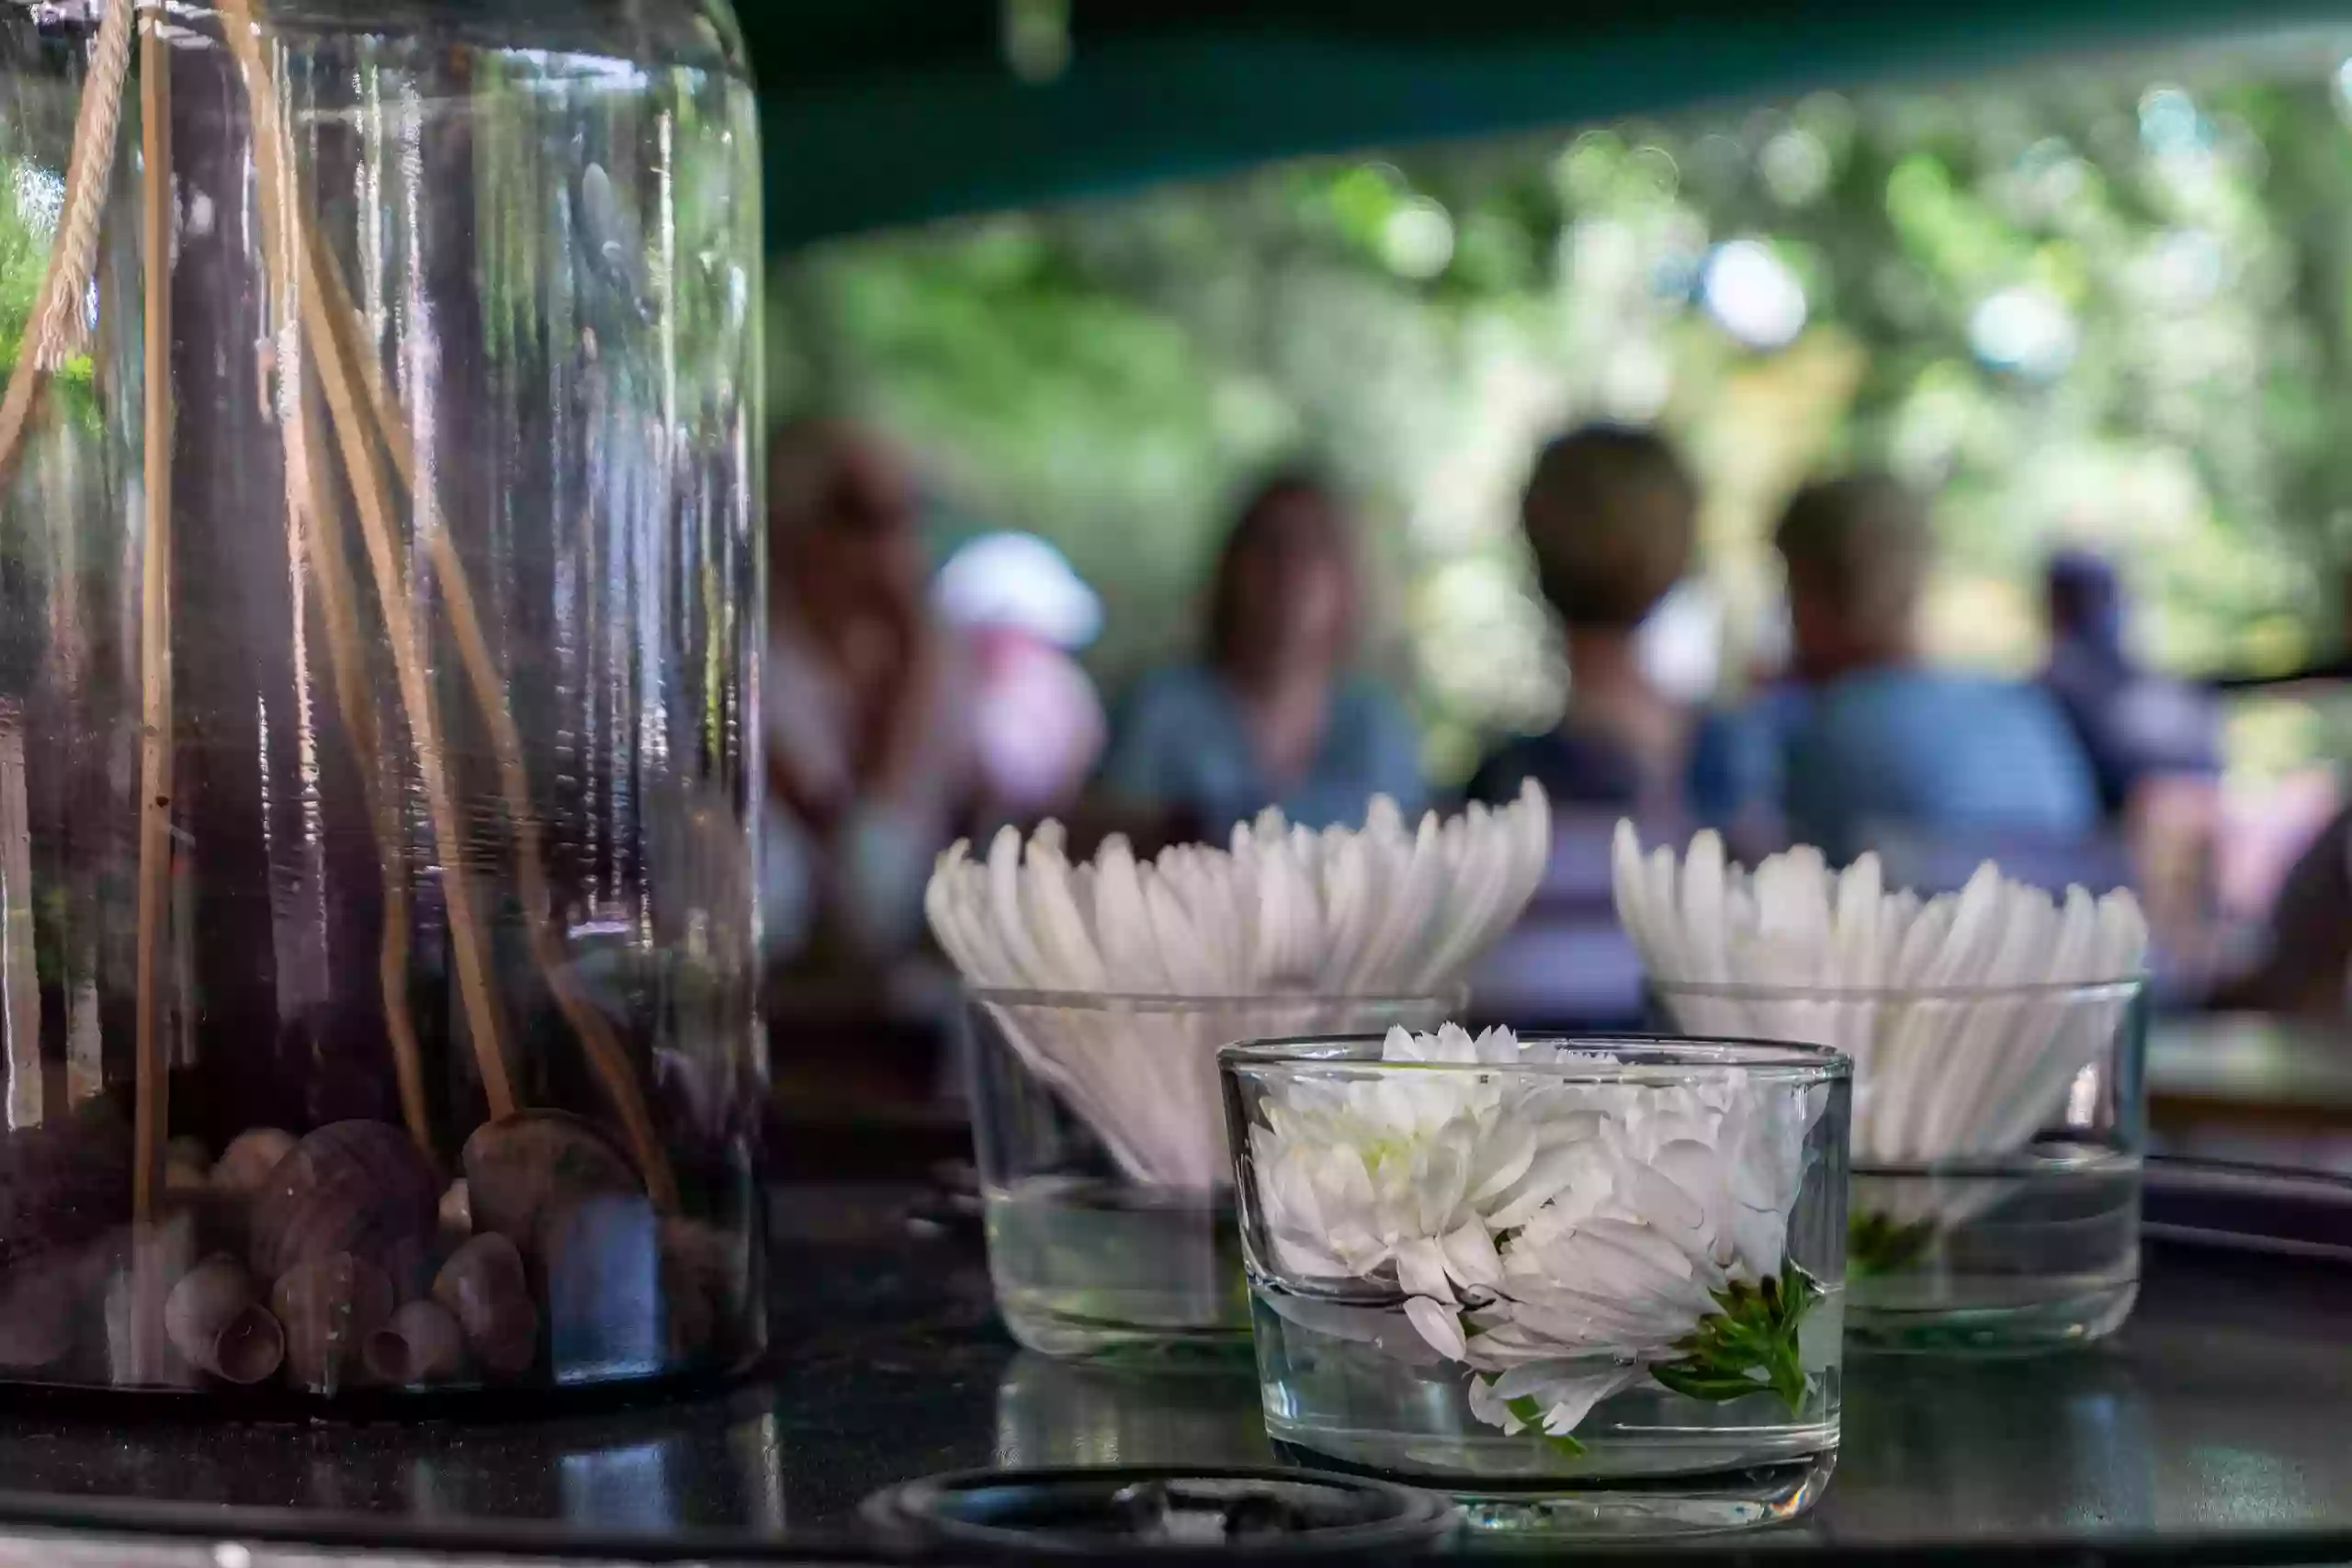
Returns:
(2217,1421)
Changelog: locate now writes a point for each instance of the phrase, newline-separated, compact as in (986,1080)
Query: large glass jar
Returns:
(377,608)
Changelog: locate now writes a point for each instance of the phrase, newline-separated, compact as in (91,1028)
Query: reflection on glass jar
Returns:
(378,571)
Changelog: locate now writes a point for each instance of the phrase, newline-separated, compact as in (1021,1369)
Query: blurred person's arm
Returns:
(856,854)
(2171,831)
(921,788)
(2159,742)
(2305,969)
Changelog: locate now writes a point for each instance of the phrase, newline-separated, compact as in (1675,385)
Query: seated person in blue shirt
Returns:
(1272,715)
(2136,726)
(2154,746)
(1610,517)
(1877,741)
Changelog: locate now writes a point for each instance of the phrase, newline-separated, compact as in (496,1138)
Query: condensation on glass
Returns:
(377,608)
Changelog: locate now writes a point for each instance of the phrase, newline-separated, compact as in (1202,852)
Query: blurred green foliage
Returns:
(31,195)
(2110,305)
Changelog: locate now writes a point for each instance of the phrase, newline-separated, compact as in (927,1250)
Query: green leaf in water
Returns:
(1877,1245)
(1749,1345)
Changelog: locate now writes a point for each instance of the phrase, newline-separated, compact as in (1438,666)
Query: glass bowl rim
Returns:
(2120,988)
(1450,997)
(1682,1058)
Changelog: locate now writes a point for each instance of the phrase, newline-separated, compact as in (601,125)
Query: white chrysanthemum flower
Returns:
(1559,1237)
(1417,1171)
(1684,1192)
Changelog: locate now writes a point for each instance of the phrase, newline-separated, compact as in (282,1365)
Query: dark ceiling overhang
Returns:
(884,112)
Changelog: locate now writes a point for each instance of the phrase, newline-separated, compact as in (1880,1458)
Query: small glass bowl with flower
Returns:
(1585,1284)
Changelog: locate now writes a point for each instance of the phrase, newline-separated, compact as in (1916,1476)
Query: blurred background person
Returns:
(2154,746)
(1271,715)
(2137,726)
(1871,741)
(1610,517)
(2303,966)
(1037,721)
(867,702)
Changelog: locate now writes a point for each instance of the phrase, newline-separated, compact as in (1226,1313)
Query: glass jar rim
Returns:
(1447,999)
(2119,987)
(1657,1058)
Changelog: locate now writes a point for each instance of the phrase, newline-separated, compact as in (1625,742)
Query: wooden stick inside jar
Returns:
(384,557)
(354,389)
(151,1111)
(322,543)
(313,501)
(605,1056)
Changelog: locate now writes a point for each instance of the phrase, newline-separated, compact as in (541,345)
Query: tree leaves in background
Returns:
(2107,305)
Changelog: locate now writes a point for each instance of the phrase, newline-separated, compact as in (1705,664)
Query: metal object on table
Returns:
(1141,1510)
(2250,1208)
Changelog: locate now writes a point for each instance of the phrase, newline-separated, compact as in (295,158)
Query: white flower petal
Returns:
(1691,1165)
(1297,1255)
(1567,1413)
(1567,1390)
(1664,1205)
(1470,1256)
(1421,1270)
(1759,1238)
(1342,1174)
(1497,1046)
(1553,1170)
(1452,1043)
(1490,1407)
(1437,1325)
(1574,1320)
(1510,1154)
(1529,1377)
(1654,1250)
(1360,1249)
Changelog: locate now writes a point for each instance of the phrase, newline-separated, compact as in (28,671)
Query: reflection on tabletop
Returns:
(1052,1412)
(697,1465)
(2176,1425)
(2218,1407)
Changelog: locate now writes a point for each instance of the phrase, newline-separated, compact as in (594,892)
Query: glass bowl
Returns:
(1588,1284)
(1104,1168)
(1997,1139)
